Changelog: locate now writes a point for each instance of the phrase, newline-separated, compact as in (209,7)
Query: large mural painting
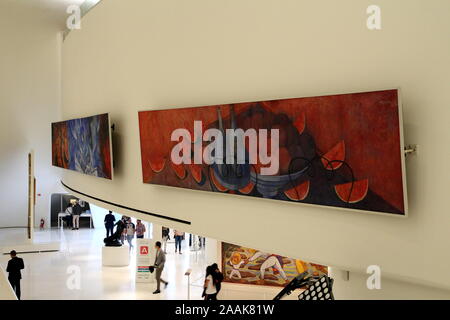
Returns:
(83,145)
(250,266)
(341,150)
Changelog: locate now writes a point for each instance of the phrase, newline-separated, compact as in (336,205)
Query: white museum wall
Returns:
(356,288)
(29,100)
(143,55)
(236,291)
(98,216)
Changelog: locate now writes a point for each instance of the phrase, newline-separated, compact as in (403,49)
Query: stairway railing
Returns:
(6,291)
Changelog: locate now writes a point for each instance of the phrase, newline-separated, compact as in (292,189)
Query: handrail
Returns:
(6,291)
(82,194)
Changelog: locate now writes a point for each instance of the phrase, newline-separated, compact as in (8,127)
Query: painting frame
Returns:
(97,145)
(401,151)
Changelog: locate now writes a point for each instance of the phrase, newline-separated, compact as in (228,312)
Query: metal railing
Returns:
(6,291)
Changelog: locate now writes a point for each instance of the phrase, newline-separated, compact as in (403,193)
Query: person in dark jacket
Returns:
(115,239)
(68,218)
(209,288)
(13,269)
(77,210)
(109,223)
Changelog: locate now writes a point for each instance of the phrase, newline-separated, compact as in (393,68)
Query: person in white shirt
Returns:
(131,230)
(68,218)
(165,238)
(210,290)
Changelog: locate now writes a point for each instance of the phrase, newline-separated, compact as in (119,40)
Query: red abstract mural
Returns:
(337,150)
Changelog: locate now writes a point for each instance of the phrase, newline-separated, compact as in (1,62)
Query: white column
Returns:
(156,234)
(212,254)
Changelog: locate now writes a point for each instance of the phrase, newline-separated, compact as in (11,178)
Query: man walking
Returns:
(13,269)
(160,259)
(109,223)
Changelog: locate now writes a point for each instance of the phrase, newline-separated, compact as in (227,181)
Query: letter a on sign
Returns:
(74,20)
(144,250)
(374,20)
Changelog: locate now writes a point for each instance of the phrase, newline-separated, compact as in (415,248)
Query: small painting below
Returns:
(250,266)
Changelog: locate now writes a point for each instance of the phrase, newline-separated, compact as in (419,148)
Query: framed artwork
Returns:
(342,151)
(83,145)
(250,266)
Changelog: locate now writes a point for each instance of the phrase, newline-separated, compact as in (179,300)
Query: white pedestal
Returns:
(115,256)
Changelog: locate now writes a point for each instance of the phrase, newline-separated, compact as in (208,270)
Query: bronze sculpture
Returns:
(114,239)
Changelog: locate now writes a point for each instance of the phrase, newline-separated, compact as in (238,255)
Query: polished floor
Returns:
(50,275)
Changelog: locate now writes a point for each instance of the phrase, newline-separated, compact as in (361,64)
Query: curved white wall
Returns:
(153,54)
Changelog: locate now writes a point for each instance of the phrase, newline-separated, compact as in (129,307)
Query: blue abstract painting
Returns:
(83,145)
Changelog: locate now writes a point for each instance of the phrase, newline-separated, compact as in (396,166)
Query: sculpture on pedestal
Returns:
(114,240)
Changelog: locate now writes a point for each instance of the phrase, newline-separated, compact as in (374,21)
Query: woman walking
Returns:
(210,290)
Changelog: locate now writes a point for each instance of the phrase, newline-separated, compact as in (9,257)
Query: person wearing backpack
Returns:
(209,288)
(217,277)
